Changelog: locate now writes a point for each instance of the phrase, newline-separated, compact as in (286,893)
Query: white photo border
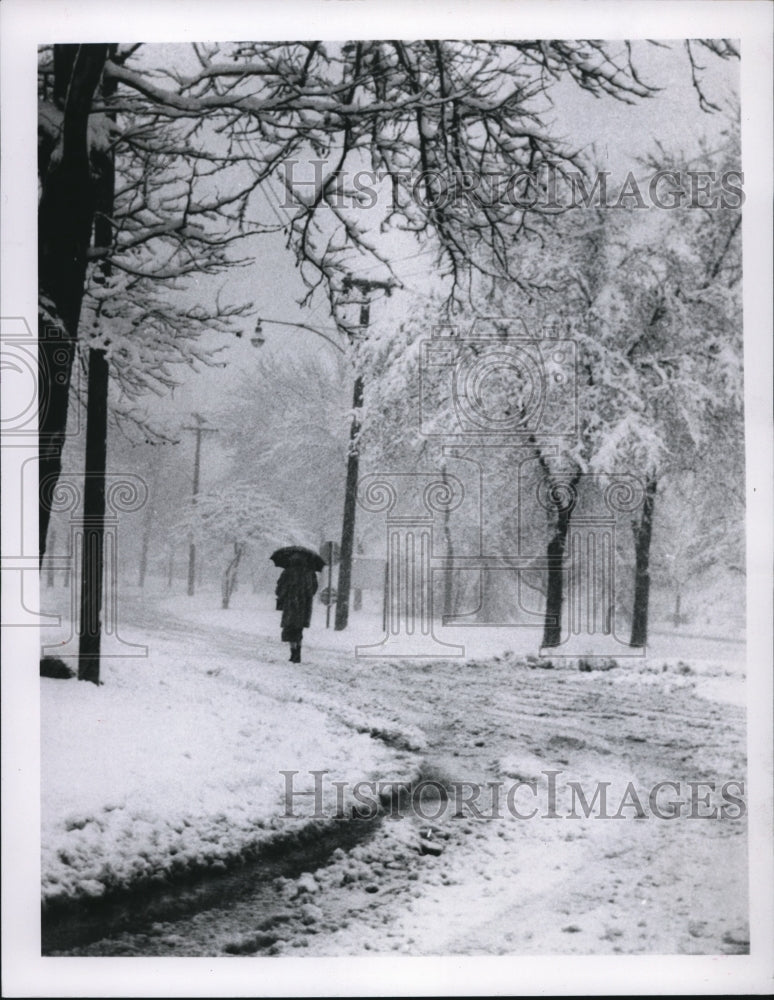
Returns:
(25,24)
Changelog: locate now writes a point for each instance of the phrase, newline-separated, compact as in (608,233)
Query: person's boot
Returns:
(296,654)
(292,653)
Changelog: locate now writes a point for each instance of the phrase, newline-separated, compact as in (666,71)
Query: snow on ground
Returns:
(496,884)
(174,763)
(254,615)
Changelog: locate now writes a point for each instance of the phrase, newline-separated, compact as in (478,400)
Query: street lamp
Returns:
(363,288)
(258,339)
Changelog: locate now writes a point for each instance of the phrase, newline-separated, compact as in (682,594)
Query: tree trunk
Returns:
(486,611)
(677,618)
(50,572)
(448,576)
(65,219)
(552,628)
(146,533)
(192,577)
(642,536)
(229,576)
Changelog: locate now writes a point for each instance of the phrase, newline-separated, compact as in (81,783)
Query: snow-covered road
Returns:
(457,871)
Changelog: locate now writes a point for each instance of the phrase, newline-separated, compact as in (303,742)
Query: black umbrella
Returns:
(292,554)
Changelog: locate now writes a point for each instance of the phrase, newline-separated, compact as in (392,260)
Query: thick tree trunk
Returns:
(642,535)
(65,218)
(92,572)
(552,628)
(92,557)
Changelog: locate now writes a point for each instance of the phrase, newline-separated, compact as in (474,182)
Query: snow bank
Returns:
(174,764)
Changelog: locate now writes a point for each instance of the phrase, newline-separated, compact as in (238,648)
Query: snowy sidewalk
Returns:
(174,764)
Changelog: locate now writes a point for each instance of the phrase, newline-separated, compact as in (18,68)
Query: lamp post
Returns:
(258,339)
(364,286)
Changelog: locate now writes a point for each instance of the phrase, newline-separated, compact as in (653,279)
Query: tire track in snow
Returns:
(501,886)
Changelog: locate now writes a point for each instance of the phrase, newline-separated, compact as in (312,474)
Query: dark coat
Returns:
(296,588)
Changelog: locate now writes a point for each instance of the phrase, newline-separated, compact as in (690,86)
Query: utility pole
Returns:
(198,430)
(353,463)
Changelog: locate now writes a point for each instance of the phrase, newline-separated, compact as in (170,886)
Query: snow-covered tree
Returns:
(685,350)
(125,233)
(286,429)
(698,531)
(194,131)
(651,300)
(654,303)
(235,517)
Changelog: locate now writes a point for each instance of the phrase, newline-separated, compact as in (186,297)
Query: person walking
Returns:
(295,591)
